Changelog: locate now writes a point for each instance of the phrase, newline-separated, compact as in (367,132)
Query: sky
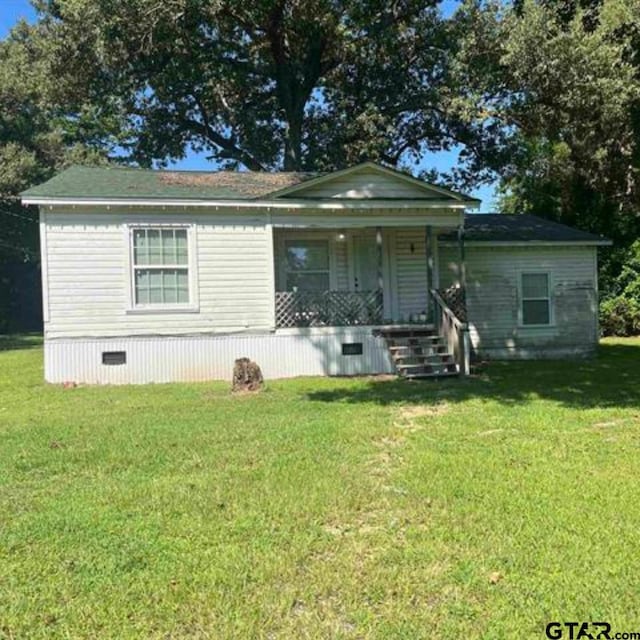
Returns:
(13,10)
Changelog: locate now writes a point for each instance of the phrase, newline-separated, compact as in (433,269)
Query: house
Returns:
(159,276)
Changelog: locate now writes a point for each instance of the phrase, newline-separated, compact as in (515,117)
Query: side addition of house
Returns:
(159,276)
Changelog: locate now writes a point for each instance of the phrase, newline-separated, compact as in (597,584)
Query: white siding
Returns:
(88,276)
(367,183)
(410,272)
(282,354)
(493,300)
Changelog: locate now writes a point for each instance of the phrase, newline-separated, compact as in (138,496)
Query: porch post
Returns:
(379,261)
(428,251)
(461,258)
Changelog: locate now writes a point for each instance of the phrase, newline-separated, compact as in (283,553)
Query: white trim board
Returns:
(193,306)
(292,205)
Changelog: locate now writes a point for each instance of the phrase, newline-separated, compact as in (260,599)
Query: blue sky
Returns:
(12,10)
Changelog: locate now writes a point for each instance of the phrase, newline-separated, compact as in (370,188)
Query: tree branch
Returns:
(227,144)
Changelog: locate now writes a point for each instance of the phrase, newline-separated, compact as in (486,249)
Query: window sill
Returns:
(536,326)
(135,311)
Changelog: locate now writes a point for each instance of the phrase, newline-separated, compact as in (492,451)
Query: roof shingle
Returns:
(501,227)
(123,182)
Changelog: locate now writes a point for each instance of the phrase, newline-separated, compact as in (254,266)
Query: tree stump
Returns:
(247,376)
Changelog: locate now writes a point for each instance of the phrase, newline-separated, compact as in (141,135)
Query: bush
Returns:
(620,316)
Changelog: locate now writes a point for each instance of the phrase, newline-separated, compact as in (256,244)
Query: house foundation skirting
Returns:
(160,359)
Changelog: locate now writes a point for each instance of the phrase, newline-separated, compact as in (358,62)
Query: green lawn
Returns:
(321,508)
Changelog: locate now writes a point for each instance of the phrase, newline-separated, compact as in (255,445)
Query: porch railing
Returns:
(454,330)
(328,308)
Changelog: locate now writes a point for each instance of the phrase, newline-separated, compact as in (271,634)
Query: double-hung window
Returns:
(307,265)
(160,264)
(535,299)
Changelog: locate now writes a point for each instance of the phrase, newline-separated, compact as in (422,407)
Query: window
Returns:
(536,301)
(307,265)
(160,266)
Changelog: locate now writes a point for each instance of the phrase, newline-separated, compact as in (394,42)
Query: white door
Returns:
(365,263)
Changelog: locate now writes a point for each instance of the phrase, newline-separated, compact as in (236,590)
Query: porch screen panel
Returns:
(307,265)
(161,266)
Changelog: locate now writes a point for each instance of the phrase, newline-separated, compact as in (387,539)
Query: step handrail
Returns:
(454,331)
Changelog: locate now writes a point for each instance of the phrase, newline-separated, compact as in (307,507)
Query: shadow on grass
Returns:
(16,342)
(612,379)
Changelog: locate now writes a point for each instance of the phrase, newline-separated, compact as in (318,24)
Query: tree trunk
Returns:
(293,144)
(247,376)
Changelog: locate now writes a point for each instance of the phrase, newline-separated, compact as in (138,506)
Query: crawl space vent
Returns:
(352,348)
(114,357)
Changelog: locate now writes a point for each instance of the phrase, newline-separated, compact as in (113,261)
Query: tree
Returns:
(293,84)
(44,126)
(560,82)
(563,84)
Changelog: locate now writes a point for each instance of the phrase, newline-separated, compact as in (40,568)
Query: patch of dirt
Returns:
(490,432)
(415,411)
(408,417)
(390,441)
(495,577)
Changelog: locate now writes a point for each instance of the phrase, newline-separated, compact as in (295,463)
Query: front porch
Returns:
(383,280)
(353,277)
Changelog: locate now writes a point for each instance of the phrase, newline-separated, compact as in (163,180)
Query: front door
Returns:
(365,263)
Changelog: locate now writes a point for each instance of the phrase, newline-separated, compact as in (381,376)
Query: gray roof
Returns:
(510,228)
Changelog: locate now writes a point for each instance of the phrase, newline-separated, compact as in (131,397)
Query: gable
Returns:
(368,181)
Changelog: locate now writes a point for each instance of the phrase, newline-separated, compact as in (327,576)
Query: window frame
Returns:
(193,305)
(302,236)
(522,299)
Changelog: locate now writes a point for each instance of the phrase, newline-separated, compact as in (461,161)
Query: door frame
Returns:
(388,264)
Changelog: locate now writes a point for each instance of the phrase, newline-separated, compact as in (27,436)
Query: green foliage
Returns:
(46,123)
(295,84)
(559,80)
(321,508)
(620,316)
(620,309)
(564,87)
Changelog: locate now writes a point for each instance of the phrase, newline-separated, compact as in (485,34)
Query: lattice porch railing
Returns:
(328,308)
(456,301)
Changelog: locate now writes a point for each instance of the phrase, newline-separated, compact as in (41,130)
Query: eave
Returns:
(604,242)
(284,205)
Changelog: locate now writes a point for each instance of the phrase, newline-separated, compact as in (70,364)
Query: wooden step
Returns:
(424,376)
(436,358)
(424,368)
(418,352)
(407,332)
(393,343)
(415,350)
(426,365)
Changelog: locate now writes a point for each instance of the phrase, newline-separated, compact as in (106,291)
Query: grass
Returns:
(321,508)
